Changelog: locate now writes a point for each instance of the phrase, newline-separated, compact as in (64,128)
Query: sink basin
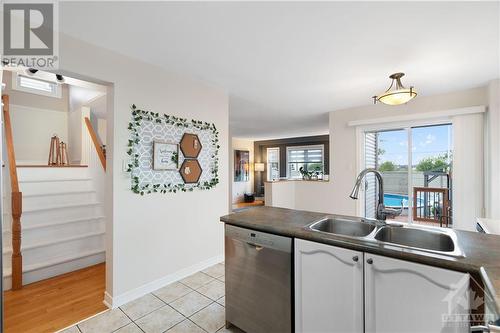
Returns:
(343,227)
(417,238)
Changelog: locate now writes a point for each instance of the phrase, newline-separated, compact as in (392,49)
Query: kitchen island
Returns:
(480,255)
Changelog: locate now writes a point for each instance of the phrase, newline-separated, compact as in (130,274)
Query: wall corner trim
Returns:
(108,300)
(114,302)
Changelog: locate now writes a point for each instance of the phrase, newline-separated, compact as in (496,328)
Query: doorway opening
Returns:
(53,222)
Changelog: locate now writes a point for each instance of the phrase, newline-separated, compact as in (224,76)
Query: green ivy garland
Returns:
(137,116)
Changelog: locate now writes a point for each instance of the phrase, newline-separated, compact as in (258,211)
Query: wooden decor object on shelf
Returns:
(64,153)
(54,152)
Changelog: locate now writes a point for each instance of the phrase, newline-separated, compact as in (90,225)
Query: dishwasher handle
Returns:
(257,247)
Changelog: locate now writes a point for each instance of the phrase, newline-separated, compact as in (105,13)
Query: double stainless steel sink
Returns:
(403,236)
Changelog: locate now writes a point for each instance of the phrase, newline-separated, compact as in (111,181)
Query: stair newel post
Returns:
(17,257)
(17,206)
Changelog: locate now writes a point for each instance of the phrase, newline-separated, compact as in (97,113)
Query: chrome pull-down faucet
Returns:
(382,211)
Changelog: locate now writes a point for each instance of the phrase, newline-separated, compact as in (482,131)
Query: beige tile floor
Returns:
(192,305)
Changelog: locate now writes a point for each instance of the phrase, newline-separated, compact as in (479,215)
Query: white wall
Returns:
(157,238)
(32,129)
(280,194)
(101,130)
(35,119)
(75,136)
(90,157)
(98,111)
(240,188)
(301,195)
(98,116)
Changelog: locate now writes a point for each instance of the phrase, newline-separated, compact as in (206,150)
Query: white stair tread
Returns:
(56,193)
(28,268)
(59,241)
(61,219)
(51,224)
(83,204)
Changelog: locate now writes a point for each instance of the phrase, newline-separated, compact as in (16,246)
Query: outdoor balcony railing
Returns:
(431,205)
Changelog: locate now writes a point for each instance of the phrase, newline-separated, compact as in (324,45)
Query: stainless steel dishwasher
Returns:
(258,281)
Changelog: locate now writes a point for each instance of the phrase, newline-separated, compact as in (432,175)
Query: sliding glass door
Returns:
(415,163)
(387,151)
(432,174)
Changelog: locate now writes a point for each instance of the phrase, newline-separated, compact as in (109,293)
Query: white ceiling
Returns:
(286,64)
(84,96)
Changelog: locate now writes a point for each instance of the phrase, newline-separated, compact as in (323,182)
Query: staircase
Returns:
(62,223)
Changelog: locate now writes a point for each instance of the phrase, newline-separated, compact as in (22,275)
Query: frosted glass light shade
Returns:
(396,94)
(397,97)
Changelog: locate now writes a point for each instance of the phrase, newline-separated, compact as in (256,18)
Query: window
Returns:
(273,163)
(36,86)
(310,158)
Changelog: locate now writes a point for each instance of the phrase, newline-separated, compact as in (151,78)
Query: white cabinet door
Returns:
(328,288)
(402,296)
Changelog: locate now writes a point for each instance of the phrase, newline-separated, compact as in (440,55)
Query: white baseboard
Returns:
(116,301)
(108,300)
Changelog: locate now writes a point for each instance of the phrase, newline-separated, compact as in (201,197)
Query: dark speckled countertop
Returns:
(482,251)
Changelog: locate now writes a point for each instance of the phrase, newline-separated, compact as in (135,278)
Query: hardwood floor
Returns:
(248,204)
(52,304)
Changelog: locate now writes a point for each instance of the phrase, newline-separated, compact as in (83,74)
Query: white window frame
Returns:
(16,78)
(268,173)
(289,148)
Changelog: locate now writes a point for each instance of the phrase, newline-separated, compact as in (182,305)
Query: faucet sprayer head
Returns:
(355,192)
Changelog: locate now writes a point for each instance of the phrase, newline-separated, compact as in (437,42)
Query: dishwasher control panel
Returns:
(259,238)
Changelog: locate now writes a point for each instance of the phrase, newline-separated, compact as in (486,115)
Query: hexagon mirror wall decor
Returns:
(190,145)
(190,171)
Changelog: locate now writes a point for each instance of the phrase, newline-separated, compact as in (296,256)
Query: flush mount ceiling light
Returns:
(396,94)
